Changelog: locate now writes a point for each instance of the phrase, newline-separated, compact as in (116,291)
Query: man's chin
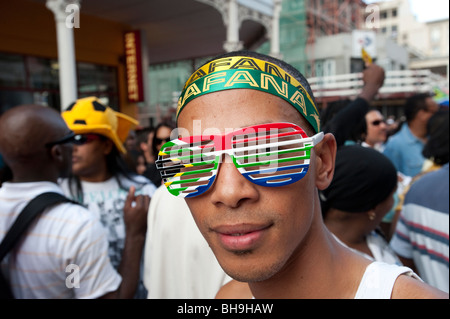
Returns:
(249,272)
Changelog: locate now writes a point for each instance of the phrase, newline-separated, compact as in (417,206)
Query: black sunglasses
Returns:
(69,138)
(77,139)
(161,140)
(378,122)
(81,139)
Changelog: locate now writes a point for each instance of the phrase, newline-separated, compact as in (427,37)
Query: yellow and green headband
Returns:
(242,72)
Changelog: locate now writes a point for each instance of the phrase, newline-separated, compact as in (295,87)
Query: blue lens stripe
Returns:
(201,189)
(271,180)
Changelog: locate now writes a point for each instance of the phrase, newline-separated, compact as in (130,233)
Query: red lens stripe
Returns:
(226,139)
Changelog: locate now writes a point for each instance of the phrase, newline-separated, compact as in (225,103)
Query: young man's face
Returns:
(253,230)
(89,158)
(376,128)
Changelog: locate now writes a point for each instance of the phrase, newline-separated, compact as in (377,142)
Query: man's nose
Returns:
(231,188)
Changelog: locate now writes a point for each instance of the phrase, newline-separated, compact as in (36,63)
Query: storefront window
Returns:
(42,73)
(35,80)
(12,71)
(10,98)
(100,81)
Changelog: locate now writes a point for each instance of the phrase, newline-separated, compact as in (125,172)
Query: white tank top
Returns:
(379,278)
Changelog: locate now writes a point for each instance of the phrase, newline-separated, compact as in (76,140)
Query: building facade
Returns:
(29,68)
(426,42)
(54,51)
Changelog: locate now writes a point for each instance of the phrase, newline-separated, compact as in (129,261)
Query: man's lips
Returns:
(75,159)
(241,237)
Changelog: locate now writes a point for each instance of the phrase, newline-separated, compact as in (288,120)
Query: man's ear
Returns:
(60,161)
(57,153)
(325,159)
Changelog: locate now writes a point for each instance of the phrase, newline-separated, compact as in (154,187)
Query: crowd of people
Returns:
(358,210)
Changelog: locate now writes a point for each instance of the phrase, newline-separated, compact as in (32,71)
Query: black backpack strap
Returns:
(20,225)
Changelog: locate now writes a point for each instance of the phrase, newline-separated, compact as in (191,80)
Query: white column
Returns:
(275,36)
(66,49)
(232,23)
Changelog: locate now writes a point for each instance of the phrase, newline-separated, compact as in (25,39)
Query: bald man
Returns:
(66,247)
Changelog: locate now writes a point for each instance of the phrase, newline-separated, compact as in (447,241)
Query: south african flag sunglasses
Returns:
(274,154)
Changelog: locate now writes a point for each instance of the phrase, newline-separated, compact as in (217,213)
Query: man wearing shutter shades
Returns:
(251,181)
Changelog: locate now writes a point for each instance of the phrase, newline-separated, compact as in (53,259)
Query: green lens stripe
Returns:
(197,163)
(215,161)
(176,191)
(305,149)
(185,181)
(283,160)
(177,161)
(180,158)
(185,157)
(170,144)
(200,171)
(167,145)
(202,163)
(276,160)
(180,150)
(256,80)
(194,156)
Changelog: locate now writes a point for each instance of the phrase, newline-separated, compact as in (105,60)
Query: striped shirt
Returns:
(422,233)
(64,253)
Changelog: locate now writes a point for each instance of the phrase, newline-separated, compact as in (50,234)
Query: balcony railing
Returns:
(396,84)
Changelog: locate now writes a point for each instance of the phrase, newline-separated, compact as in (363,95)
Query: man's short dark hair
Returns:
(414,104)
(437,146)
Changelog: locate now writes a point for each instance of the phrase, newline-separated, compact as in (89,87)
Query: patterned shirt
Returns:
(422,233)
(64,253)
(106,201)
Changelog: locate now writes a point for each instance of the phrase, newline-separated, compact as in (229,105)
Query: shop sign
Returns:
(135,87)
(363,39)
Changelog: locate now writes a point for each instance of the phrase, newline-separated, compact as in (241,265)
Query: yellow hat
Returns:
(89,115)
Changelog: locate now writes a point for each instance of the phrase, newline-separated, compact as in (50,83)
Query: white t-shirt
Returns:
(379,279)
(178,262)
(106,200)
(64,248)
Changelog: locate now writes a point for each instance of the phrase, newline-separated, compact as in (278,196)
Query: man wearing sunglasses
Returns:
(376,133)
(64,254)
(249,161)
(100,178)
